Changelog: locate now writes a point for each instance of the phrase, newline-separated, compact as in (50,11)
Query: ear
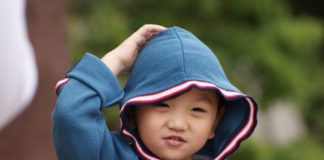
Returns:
(219,116)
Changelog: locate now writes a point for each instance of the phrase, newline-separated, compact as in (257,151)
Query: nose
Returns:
(177,123)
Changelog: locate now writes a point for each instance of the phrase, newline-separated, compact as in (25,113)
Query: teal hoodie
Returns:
(170,64)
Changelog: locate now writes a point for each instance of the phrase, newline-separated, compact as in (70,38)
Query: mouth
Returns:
(174,141)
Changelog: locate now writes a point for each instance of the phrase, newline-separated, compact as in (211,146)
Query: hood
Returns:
(171,63)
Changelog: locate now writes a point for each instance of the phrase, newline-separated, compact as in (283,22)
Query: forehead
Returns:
(195,95)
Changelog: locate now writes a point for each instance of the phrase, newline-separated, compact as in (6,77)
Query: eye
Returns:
(198,110)
(161,105)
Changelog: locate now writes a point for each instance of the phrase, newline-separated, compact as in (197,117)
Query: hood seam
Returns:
(182,49)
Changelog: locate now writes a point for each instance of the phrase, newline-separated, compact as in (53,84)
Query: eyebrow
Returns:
(219,101)
(202,97)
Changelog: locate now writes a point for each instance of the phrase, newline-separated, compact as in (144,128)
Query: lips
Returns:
(174,141)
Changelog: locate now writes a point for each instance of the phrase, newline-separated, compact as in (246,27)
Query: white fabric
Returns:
(18,70)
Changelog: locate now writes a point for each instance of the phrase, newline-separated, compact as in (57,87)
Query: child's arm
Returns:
(79,128)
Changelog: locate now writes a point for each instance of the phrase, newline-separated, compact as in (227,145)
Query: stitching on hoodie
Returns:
(183,55)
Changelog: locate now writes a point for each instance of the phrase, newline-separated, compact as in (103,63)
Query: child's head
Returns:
(179,127)
(173,95)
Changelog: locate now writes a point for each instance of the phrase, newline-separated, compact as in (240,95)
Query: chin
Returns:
(175,157)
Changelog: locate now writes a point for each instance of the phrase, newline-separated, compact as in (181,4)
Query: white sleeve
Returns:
(18,69)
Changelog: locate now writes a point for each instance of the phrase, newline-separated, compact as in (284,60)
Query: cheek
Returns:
(147,122)
(149,129)
(204,129)
(201,132)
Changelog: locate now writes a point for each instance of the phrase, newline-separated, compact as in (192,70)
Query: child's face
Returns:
(178,128)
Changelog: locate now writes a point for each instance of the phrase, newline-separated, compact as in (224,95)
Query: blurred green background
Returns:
(270,49)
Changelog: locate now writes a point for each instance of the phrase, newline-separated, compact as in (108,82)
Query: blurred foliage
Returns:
(267,48)
(305,148)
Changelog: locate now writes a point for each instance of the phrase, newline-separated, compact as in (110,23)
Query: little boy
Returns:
(177,103)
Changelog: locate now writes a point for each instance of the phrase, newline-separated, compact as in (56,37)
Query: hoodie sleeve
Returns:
(79,128)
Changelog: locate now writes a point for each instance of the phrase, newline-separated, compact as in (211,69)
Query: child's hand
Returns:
(123,57)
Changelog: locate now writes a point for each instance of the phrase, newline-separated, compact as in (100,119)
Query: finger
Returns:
(148,29)
(148,35)
(152,28)
(142,38)
(143,34)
